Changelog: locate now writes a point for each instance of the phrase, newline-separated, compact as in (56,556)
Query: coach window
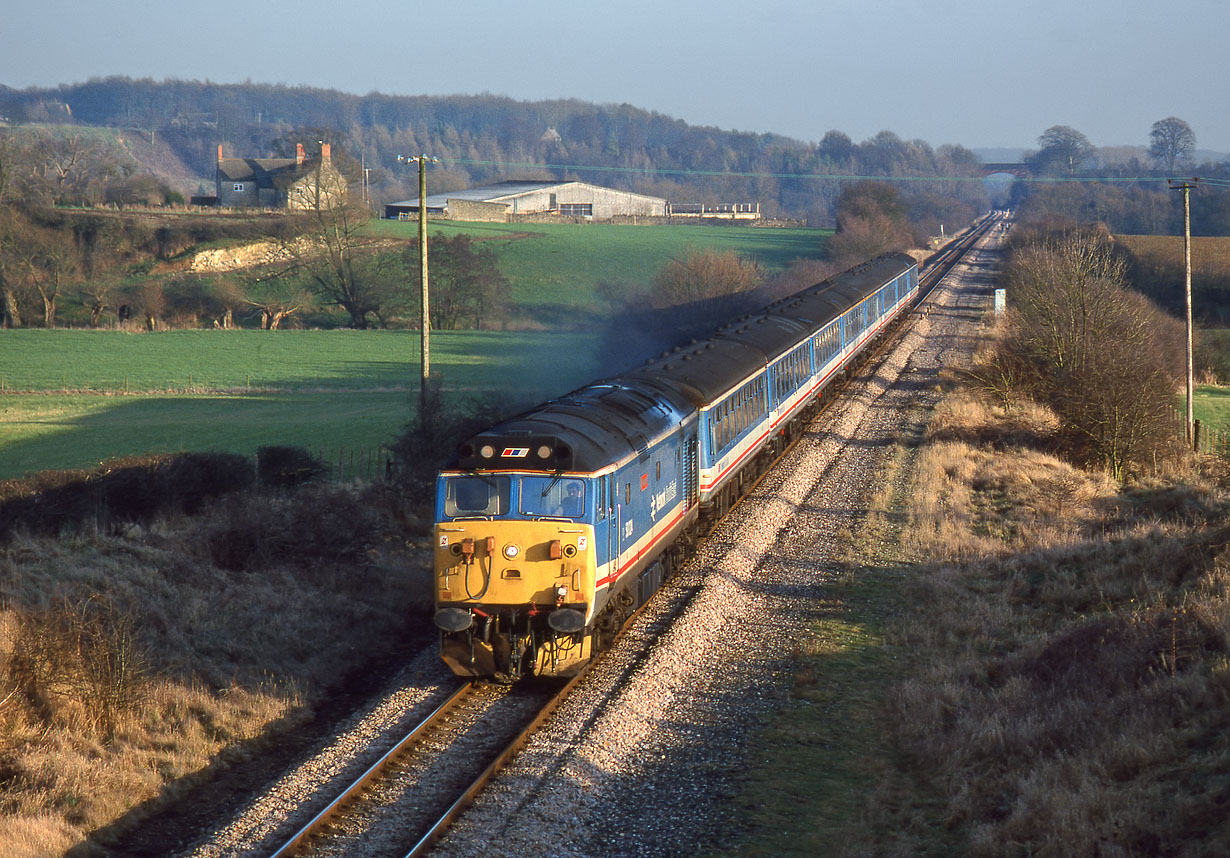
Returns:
(627,494)
(602,493)
(658,474)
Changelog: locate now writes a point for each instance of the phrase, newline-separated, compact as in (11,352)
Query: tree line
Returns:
(122,269)
(1125,191)
(481,139)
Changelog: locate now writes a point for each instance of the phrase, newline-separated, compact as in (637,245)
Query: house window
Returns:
(577,209)
(238,186)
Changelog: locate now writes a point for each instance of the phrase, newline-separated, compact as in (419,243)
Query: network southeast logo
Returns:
(515,452)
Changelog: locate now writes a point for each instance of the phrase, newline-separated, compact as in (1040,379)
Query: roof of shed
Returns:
(497,193)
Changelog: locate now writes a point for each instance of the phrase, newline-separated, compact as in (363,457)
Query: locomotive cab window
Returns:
(476,496)
(552,497)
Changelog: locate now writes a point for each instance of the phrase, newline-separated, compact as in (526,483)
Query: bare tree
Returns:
(703,274)
(98,293)
(1063,151)
(337,255)
(42,260)
(871,219)
(1102,356)
(1171,143)
(466,283)
(149,303)
(228,296)
(276,297)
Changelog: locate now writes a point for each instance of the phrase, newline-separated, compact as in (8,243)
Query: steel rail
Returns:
(459,806)
(318,821)
(940,266)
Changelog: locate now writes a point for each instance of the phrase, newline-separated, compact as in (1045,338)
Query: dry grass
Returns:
(129,662)
(1211,254)
(1023,658)
(1069,692)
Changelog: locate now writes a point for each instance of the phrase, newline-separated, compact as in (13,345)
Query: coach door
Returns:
(691,470)
(605,530)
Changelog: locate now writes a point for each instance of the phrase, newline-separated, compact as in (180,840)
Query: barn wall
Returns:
(470,210)
(607,203)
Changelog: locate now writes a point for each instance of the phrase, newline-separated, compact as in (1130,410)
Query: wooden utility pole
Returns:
(1186,188)
(425,319)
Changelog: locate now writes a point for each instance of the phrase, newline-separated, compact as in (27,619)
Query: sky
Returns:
(982,73)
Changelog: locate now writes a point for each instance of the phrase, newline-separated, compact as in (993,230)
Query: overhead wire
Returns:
(827,177)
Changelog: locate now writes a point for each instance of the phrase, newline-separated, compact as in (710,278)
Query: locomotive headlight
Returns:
(544,452)
(487,451)
(512,552)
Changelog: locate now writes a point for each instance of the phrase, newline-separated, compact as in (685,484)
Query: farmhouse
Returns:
(280,183)
(510,199)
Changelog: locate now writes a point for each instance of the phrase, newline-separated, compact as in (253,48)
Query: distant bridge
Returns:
(1021,171)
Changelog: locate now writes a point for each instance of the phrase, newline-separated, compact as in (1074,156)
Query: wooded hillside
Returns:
(487,138)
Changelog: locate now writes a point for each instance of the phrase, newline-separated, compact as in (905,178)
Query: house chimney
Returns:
(299,154)
(219,153)
(326,152)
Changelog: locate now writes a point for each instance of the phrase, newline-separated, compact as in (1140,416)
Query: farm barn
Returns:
(507,200)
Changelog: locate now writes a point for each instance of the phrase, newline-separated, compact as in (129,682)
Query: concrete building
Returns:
(508,200)
(280,183)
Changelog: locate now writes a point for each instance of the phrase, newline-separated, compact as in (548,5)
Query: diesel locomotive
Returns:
(553,527)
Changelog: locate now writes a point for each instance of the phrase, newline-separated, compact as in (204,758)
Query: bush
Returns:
(286,467)
(134,489)
(423,450)
(1101,356)
(78,661)
(313,527)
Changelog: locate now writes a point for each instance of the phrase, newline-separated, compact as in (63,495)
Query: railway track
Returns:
(405,802)
(401,803)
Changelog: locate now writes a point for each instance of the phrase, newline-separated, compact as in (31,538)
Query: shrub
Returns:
(423,450)
(1103,357)
(285,467)
(312,527)
(134,489)
(78,661)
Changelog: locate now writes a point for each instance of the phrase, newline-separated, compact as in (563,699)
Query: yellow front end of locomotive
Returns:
(512,595)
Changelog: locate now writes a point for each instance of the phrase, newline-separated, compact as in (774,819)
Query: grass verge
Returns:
(1023,659)
(133,657)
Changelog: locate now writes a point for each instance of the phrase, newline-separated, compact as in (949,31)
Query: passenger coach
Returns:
(554,526)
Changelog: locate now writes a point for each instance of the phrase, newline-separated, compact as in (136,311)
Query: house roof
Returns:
(265,171)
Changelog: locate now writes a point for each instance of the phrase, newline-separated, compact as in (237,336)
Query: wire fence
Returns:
(1208,439)
(356,464)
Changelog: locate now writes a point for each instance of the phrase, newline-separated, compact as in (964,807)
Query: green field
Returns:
(329,391)
(1211,406)
(72,398)
(553,269)
(225,361)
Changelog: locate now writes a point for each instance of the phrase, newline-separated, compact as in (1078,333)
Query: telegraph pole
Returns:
(1186,187)
(425,322)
